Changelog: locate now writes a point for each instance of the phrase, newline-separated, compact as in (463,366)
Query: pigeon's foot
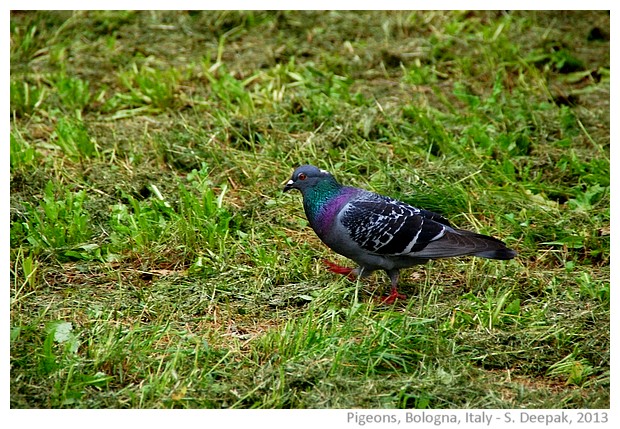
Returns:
(392,297)
(338,269)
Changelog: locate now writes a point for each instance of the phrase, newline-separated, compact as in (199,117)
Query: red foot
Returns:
(393,296)
(338,269)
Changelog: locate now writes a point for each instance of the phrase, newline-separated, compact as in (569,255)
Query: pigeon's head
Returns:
(307,177)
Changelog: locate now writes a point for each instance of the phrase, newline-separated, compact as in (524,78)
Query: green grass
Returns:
(155,262)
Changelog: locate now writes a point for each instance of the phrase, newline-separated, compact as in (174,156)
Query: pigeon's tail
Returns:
(459,242)
(502,253)
(486,246)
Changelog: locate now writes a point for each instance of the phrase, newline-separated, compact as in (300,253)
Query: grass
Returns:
(155,262)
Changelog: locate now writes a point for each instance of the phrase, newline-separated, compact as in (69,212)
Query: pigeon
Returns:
(381,233)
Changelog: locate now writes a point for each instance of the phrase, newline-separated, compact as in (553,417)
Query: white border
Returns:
(66,419)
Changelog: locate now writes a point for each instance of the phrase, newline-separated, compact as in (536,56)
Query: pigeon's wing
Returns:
(388,227)
(385,226)
(434,216)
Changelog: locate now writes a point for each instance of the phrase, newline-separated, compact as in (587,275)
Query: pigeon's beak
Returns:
(288,186)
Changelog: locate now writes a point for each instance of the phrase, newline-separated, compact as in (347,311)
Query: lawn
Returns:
(156,262)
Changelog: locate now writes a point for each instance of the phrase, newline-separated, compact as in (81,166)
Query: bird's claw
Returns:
(352,275)
(392,297)
(338,269)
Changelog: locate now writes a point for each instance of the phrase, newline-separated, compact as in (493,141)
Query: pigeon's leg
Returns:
(394,295)
(351,273)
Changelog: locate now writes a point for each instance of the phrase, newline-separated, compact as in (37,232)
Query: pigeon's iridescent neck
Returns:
(316,197)
(323,202)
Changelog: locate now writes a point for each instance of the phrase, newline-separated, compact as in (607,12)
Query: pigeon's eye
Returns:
(301,176)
